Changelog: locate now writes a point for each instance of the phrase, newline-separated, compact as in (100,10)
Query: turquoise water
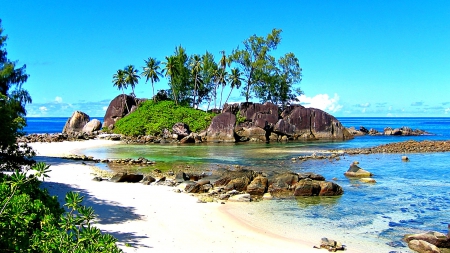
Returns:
(409,197)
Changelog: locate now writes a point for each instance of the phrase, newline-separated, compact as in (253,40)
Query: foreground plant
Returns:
(33,221)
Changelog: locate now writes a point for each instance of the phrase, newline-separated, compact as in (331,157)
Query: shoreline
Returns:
(155,218)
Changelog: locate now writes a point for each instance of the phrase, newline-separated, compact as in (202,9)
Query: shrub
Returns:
(152,118)
(32,220)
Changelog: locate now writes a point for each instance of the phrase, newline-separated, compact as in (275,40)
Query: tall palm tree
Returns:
(119,81)
(172,72)
(196,67)
(235,80)
(151,71)
(131,77)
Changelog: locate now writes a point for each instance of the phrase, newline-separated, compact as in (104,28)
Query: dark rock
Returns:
(222,128)
(118,108)
(125,177)
(98,179)
(148,180)
(181,129)
(222,181)
(238,184)
(76,123)
(191,187)
(282,185)
(181,177)
(330,245)
(330,189)
(307,187)
(311,123)
(258,186)
(312,176)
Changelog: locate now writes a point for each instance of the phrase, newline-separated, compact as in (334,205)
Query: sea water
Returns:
(409,197)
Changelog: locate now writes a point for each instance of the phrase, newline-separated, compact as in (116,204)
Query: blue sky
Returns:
(359,58)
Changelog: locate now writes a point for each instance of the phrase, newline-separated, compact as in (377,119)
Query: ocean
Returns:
(409,197)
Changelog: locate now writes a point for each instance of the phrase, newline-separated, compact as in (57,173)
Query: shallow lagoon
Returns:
(409,197)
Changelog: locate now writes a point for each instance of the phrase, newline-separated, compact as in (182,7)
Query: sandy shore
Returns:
(155,218)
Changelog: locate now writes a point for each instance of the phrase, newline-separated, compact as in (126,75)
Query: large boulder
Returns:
(92,126)
(125,177)
(118,108)
(438,239)
(258,186)
(222,128)
(309,187)
(181,129)
(257,117)
(76,123)
(311,123)
(282,185)
(423,246)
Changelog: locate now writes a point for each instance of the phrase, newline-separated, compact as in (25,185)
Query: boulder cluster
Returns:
(402,131)
(430,242)
(239,184)
(265,122)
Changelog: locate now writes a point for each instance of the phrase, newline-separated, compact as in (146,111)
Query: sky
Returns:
(359,58)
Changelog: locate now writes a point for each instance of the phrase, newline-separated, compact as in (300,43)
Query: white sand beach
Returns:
(155,218)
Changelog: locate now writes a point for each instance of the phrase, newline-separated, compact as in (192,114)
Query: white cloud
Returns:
(43,109)
(322,101)
(58,99)
(104,108)
(365,105)
(447,110)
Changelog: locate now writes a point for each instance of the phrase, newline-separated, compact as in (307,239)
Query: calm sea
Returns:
(409,197)
(42,125)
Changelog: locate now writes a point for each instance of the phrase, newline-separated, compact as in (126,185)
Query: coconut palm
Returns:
(119,82)
(131,77)
(152,72)
(171,72)
(196,68)
(235,80)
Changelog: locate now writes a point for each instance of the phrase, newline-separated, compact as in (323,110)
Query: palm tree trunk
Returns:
(195,91)
(153,88)
(228,95)
(221,93)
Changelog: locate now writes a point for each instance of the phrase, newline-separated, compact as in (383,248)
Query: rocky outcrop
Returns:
(222,128)
(181,130)
(405,131)
(263,122)
(92,126)
(401,147)
(118,108)
(440,240)
(125,177)
(76,123)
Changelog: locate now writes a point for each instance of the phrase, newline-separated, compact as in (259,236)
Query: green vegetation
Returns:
(197,79)
(151,118)
(30,219)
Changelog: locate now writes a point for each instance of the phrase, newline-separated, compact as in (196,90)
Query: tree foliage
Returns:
(13,99)
(197,79)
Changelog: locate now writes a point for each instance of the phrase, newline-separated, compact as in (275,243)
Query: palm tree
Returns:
(131,77)
(171,72)
(151,71)
(119,81)
(235,80)
(196,67)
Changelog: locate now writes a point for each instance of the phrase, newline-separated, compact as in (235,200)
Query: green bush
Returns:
(33,221)
(151,118)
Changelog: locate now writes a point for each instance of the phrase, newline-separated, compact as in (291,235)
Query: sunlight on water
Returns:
(409,197)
